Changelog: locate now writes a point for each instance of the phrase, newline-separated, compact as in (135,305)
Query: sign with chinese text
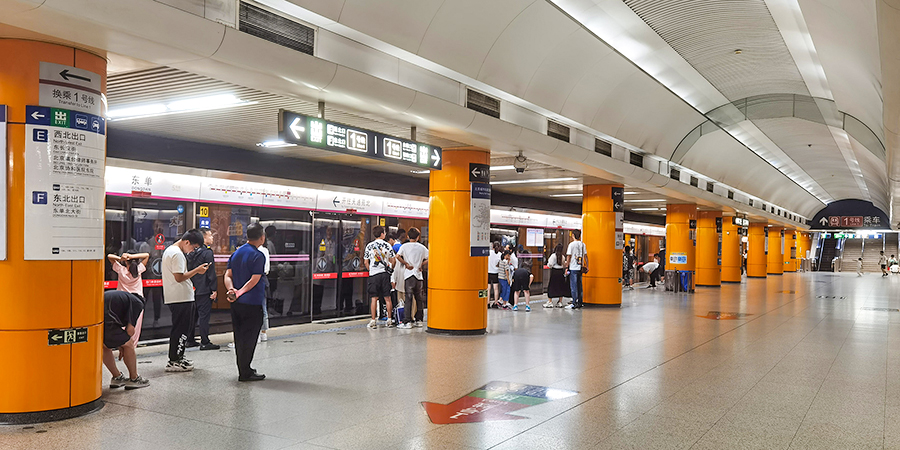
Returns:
(65,155)
(315,132)
(69,336)
(70,88)
(480,220)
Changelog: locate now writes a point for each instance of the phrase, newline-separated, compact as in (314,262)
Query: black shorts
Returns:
(114,336)
(380,285)
(884,266)
(520,283)
(493,278)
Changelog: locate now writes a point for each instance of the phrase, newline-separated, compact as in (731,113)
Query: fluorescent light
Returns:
(179,106)
(631,193)
(275,144)
(645,200)
(567,195)
(419,171)
(535,180)
(499,168)
(137,111)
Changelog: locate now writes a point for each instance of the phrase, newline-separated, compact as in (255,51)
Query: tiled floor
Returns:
(810,367)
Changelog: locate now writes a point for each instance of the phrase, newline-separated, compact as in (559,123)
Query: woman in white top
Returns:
(557,287)
(493,279)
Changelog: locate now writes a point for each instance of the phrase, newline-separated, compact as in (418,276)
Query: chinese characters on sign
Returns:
(70,88)
(64,184)
(480,219)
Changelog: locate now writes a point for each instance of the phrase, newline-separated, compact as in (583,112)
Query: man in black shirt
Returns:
(205,291)
(121,313)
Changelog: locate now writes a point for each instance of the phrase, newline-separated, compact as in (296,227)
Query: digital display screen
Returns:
(310,131)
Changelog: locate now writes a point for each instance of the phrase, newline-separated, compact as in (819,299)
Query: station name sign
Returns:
(314,132)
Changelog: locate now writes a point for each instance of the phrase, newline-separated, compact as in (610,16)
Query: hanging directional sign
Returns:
(493,401)
(70,88)
(479,173)
(618,198)
(314,132)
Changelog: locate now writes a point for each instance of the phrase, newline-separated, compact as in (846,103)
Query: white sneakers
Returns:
(373,324)
(549,304)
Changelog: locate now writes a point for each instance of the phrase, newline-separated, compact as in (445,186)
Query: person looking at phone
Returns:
(577,262)
(247,294)
(379,259)
(178,293)
(205,287)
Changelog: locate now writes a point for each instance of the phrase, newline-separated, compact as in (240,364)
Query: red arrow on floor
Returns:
(472,409)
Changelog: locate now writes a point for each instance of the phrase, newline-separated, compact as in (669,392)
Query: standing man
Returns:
(178,293)
(577,262)
(247,294)
(882,261)
(205,290)
(379,260)
(414,257)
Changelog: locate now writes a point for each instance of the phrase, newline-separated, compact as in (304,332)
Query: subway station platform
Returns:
(803,360)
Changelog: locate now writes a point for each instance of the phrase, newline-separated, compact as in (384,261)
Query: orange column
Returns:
(602,284)
(454,276)
(43,382)
(756,250)
(775,257)
(731,251)
(791,251)
(681,223)
(709,241)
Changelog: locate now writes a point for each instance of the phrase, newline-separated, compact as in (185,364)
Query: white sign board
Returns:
(70,88)
(343,202)
(405,208)
(480,220)
(65,154)
(3,221)
(535,237)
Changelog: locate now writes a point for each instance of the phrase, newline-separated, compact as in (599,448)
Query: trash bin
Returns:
(685,281)
(671,279)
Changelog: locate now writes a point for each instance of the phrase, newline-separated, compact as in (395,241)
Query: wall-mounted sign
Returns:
(850,214)
(479,173)
(69,336)
(677,258)
(740,221)
(480,220)
(618,198)
(65,154)
(69,88)
(534,237)
(314,132)
(3,216)
(718,224)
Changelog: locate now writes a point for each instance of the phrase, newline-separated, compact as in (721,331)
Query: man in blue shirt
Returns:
(247,294)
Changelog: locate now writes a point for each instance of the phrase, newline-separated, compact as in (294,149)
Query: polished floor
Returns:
(814,363)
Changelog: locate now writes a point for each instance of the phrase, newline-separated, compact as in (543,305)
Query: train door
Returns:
(339,275)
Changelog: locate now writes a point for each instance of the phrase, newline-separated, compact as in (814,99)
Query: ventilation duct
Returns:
(485,104)
(557,130)
(602,147)
(277,29)
(637,159)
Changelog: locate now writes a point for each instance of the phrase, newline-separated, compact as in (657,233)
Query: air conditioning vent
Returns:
(602,147)
(763,207)
(751,202)
(730,195)
(485,104)
(637,159)
(695,182)
(557,130)
(709,186)
(274,28)
(675,174)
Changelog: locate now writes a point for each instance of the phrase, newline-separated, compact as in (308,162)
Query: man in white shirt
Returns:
(178,293)
(379,260)
(577,262)
(414,257)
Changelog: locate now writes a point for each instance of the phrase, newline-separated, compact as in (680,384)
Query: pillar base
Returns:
(774,273)
(732,282)
(708,285)
(51,416)
(603,305)
(756,276)
(456,332)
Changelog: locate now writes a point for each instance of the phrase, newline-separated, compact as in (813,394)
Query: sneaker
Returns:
(527,308)
(373,324)
(231,345)
(136,383)
(506,306)
(118,381)
(570,307)
(405,326)
(559,304)
(179,366)
(548,304)
(515,308)
(263,336)
(209,346)
(630,288)
(418,324)
(390,323)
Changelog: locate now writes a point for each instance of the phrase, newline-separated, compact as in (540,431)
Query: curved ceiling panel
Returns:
(380,19)
(718,155)
(462,32)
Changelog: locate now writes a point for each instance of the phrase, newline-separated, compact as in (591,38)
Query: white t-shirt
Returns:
(493,261)
(265,251)
(577,250)
(553,263)
(650,266)
(414,253)
(173,261)
(378,253)
(513,261)
(882,260)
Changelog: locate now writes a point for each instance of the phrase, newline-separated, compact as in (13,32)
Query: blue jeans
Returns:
(577,290)
(504,290)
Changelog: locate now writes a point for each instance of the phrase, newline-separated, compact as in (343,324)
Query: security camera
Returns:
(520,163)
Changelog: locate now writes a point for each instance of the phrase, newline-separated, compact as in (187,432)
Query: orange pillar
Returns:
(709,248)
(43,382)
(757,242)
(681,223)
(454,276)
(731,251)
(775,257)
(603,282)
(791,251)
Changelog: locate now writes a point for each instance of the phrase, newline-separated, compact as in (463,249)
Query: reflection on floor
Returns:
(812,363)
